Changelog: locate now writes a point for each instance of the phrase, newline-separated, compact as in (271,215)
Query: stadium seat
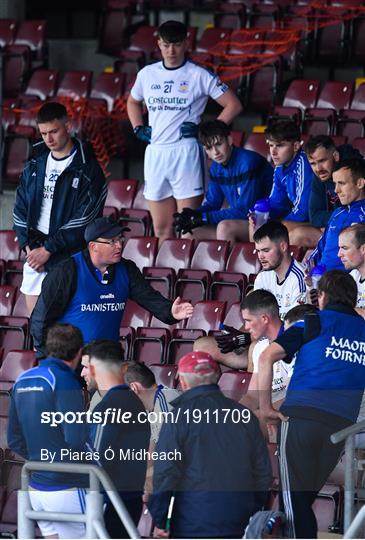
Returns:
(150,345)
(211,38)
(126,337)
(7,32)
(207,315)
(9,247)
(228,287)
(331,42)
(75,84)
(175,253)
(16,64)
(165,374)
(16,152)
(234,384)
(20,308)
(142,44)
(43,83)
(262,87)
(32,33)
(257,143)
(181,343)
(11,471)
(233,75)
(359,143)
(302,94)
(15,362)
(139,221)
(135,315)
(161,279)
(243,259)
(13,273)
(121,193)
(230,16)
(212,254)
(108,86)
(7,299)
(264,16)
(142,250)
(234,316)
(114,28)
(192,284)
(111,212)
(139,200)
(14,333)
(358,40)
(238,137)
(243,42)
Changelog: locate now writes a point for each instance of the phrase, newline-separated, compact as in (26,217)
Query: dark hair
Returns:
(297,313)
(359,233)
(138,372)
(273,230)
(172,31)
(319,141)
(106,350)
(339,287)
(64,341)
(283,130)
(355,165)
(212,131)
(260,301)
(51,111)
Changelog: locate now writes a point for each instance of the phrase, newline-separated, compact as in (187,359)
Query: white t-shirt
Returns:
(290,292)
(174,96)
(54,168)
(360,282)
(163,397)
(281,370)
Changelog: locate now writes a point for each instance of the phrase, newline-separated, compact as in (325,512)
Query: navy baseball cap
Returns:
(103,227)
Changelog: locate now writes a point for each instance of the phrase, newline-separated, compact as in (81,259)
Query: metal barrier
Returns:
(93,517)
(351,525)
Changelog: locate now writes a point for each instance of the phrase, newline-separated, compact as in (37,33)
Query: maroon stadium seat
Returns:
(108,86)
(212,254)
(135,315)
(175,253)
(75,84)
(243,259)
(257,143)
(16,63)
(142,44)
(230,16)
(7,299)
(139,200)
(228,287)
(211,37)
(7,31)
(165,374)
(43,83)
(181,343)
(234,316)
(302,94)
(9,247)
(121,193)
(207,315)
(114,27)
(15,362)
(234,384)
(32,33)
(13,273)
(150,345)
(20,307)
(359,143)
(16,153)
(139,221)
(141,250)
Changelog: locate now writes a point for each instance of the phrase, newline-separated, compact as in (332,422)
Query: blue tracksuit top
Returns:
(327,247)
(50,387)
(93,297)
(244,179)
(289,198)
(329,372)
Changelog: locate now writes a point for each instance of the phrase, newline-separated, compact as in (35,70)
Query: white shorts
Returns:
(68,500)
(174,170)
(32,280)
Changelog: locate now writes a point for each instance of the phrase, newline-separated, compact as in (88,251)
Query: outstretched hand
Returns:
(181,310)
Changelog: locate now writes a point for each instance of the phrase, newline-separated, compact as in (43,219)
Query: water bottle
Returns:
(316,274)
(262,211)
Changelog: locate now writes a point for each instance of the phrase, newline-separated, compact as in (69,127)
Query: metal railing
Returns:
(351,525)
(93,517)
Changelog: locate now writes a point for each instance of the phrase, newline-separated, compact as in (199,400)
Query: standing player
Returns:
(351,251)
(175,92)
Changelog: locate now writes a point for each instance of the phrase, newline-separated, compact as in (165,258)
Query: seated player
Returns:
(351,251)
(237,175)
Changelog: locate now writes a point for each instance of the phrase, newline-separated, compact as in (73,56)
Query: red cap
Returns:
(197,362)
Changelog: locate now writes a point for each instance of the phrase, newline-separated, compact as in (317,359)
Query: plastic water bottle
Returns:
(316,274)
(262,211)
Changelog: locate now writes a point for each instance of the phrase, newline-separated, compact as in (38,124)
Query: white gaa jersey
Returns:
(290,292)
(360,282)
(281,370)
(173,96)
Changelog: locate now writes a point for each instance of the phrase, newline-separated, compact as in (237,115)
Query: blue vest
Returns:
(329,372)
(97,308)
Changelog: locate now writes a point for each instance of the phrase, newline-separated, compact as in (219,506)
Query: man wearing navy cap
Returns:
(224,471)
(91,288)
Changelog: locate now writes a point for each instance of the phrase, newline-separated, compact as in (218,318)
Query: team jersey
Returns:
(290,292)
(360,282)
(289,198)
(175,95)
(281,370)
(326,251)
(244,179)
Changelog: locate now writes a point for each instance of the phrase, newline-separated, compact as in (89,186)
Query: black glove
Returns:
(187,220)
(188,129)
(233,339)
(143,133)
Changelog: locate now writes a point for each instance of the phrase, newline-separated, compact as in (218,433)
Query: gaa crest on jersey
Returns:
(183,87)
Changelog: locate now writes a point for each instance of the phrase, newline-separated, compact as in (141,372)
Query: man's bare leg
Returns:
(234,361)
(30,301)
(162,212)
(304,236)
(233,230)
